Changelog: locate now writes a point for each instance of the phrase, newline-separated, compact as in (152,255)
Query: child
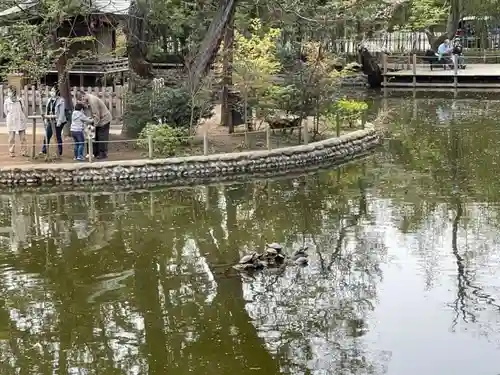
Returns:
(78,122)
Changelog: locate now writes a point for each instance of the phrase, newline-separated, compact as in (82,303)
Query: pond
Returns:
(403,277)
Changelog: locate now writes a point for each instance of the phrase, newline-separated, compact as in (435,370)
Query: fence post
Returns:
(337,124)
(414,70)
(268,137)
(150,146)
(205,143)
(306,132)
(363,119)
(384,67)
(455,71)
(33,140)
(91,149)
(53,126)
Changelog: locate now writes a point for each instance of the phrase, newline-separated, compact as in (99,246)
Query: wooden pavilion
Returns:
(101,21)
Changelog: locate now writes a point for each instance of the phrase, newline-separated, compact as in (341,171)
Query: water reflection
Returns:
(138,282)
(403,272)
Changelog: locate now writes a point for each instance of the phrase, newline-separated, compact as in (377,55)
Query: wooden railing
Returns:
(414,65)
(116,65)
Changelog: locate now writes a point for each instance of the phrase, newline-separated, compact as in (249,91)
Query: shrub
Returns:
(171,105)
(351,107)
(350,110)
(166,139)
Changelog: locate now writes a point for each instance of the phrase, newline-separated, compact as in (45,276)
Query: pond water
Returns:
(403,278)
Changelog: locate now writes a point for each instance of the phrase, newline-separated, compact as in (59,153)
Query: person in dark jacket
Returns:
(55,107)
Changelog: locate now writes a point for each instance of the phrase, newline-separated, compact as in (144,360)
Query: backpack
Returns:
(67,114)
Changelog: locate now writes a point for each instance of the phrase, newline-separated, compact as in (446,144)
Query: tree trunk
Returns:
(210,44)
(136,41)
(227,77)
(64,90)
(63,78)
(451,25)
(135,32)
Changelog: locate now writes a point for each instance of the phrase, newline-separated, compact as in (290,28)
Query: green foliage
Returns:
(165,138)
(287,53)
(170,105)
(33,48)
(255,64)
(26,48)
(316,80)
(424,14)
(345,110)
(351,107)
(351,110)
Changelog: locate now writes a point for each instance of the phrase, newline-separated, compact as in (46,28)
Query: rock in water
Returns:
(370,68)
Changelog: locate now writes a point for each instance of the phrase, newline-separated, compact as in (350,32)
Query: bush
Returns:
(166,139)
(350,110)
(171,105)
(351,107)
(288,55)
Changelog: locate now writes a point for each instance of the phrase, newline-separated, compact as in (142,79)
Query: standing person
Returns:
(55,107)
(16,121)
(78,123)
(102,121)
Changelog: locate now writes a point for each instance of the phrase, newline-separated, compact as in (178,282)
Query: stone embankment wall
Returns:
(330,151)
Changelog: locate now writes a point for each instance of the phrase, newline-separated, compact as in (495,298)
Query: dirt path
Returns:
(119,149)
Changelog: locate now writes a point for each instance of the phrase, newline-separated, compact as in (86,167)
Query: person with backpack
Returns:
(55,107)
(16,121)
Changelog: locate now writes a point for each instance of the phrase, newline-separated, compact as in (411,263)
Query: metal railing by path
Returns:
(197,145)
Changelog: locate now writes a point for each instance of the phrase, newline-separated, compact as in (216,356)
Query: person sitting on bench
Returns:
(444,52)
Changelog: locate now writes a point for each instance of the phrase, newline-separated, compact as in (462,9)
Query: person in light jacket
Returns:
(16,121)
(78,124)
(55,107)
(102,121)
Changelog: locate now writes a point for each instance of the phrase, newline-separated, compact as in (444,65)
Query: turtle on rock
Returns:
(271,252)
(301,253)
(257,265)
(249,262)
(249,258)
(275,246)
(301,261)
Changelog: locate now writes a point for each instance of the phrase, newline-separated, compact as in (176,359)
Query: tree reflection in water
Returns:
(135,283)
(312,317)
(138,282)
(448,171)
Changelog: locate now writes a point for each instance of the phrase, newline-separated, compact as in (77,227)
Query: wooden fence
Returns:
(34,99)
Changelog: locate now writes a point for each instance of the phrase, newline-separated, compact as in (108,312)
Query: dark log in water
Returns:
(370,68)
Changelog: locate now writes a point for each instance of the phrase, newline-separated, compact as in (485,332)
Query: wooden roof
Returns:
(114,7)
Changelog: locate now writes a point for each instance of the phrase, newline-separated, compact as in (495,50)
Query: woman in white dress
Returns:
(16,121)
